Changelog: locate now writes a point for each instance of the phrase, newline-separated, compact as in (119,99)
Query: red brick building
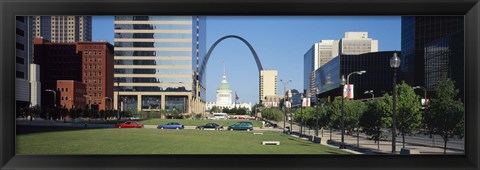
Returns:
(88,62)
(71,94)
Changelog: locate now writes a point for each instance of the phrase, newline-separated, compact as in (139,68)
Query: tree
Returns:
(274,114)
(376,117)
(215,109)
(446,112)
(175,114)
(102,114)
(151,114)
(408,110)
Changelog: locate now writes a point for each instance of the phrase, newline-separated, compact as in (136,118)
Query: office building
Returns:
(71,94)
(268,84)
(22,58)
(87,62)
(156,63)
(319,54)
(353,43)
(357,43)
(378,76)
(63,28)
(421,35)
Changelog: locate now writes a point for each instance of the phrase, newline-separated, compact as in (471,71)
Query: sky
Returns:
(279,41)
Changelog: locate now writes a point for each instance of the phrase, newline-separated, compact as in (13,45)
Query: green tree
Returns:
(102,114)
(215,109)
(274,114)
(446,112)
(376,117)
(175,114)
(151,114)
(409,115)
(35,111)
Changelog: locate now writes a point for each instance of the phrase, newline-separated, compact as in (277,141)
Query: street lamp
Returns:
(370,92)
(356,72)
(118,96)
(342,82)
(394,63)
(291,114)
(301,116)
(89,101)
(426,104)
(54,97)
(285,99)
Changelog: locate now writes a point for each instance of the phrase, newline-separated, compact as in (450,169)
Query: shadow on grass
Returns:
(22,130)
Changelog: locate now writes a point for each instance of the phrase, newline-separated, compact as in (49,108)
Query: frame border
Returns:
(10,8)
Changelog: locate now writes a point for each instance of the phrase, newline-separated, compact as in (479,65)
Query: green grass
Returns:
(193,122)
(154,141)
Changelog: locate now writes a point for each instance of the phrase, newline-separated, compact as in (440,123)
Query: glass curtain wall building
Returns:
(156,61)
(421,35)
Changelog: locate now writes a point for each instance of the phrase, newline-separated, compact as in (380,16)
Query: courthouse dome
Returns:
(224,83)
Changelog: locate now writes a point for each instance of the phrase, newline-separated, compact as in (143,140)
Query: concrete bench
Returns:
(258,133)
(271,143)
(407,151)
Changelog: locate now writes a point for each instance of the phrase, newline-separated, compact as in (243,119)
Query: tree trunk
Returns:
(445,145)
(403,139)
(378,141)
(330,133)
(358,138)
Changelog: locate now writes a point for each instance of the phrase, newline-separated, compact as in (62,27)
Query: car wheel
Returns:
(231,129)
(177,128)
(248,129)
(120,127)
(161,127)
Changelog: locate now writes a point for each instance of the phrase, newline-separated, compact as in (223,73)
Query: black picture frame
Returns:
(9,9)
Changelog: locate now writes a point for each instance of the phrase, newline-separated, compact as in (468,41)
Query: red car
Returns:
(129,124)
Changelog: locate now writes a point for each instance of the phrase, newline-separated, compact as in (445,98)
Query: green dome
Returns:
(224,86)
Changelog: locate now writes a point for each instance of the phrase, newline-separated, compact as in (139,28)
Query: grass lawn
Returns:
(154,141)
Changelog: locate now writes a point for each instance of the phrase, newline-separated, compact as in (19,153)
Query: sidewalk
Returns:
(369,146)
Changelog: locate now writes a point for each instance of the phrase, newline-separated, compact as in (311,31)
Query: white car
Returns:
(212,118)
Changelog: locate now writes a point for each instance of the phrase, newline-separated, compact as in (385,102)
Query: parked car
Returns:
(212,118)
(171,125)
(129,124)
(241,126)
(210,126)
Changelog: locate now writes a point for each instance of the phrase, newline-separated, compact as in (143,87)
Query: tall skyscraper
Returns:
(354,43)
(432,46)
(319,54)
(156,63)
(63,28)
(23,41)
(357,43)
(268,83)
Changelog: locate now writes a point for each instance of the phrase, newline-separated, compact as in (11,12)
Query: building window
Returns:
(20,32)
(66,89)
(62,98)
(21,19)
(20,46)
(20,60)
(20,74)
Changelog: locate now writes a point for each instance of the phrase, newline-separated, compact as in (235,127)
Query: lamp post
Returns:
(284,100)
(355,72)
(301,115)
(394,64)
(369,92)
(54,97)
(89,101)
(425,107)
(118,96)
(290,110)
(342,82)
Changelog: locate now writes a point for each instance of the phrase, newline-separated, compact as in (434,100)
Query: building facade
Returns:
(378,76)
(71,94)
(353,43)
(421,35)
(22,57)
(63,28)
(224,97)
(444,58)
(87,62)
(156,63)
(319,54)
(268,84)
(357,43)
